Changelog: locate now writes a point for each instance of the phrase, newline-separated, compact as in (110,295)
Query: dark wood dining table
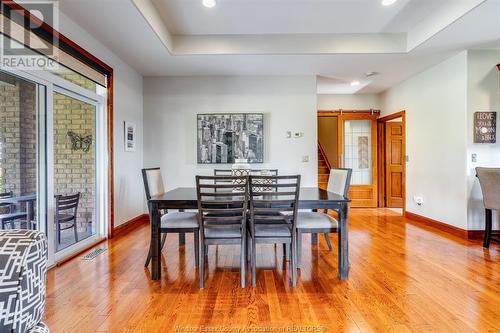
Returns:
(183,198)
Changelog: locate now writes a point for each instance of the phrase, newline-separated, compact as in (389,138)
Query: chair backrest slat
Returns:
(64,203)
(339,181)
(222,201)
(267,206)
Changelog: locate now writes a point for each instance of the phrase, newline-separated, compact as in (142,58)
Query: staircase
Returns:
(323,170)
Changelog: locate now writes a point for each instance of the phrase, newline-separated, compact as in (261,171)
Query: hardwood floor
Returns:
(403,277)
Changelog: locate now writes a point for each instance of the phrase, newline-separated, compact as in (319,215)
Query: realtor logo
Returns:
(25,41)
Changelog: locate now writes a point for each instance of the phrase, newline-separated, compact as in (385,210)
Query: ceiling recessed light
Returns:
(355,83)
(388,2)
(209,3)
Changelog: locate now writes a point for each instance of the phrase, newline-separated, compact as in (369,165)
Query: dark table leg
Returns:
(155,241)
(314,236)
(314,239)
(343,248)
(182,235)
(30,209)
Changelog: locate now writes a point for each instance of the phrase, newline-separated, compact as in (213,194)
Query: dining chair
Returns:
(66,213)
(173,222)
(267,223)
(222,214)
(489,179)
(320,222)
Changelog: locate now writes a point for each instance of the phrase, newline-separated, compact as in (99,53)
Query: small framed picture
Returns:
(129,136)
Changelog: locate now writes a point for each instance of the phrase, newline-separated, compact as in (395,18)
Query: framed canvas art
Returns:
(225,137)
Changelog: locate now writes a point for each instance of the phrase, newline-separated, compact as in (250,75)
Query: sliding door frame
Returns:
(55,84)
(372,188)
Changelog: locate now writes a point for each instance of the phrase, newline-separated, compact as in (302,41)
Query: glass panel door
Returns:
(22,153)
(74,156)
(357,150)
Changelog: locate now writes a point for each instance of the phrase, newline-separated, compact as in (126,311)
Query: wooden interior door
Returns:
(363,193)
(394,164)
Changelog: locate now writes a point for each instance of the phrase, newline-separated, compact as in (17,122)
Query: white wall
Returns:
(128,105)
(171,105)
(483,95)
(436,113)
(349,102)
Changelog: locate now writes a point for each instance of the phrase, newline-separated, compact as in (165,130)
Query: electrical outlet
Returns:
(418,200)
(298,135)
(474,158)
(288,134)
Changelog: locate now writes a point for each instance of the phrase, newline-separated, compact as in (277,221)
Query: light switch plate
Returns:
(474,158)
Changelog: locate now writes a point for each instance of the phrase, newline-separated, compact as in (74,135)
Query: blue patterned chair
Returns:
(23,268)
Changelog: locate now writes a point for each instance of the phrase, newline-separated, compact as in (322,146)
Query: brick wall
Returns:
(18,137)
(74,169)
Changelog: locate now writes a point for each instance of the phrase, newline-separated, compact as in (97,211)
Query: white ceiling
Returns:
(289,37)
(187,17)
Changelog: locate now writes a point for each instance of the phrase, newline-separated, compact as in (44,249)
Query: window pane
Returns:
(74,170)
(357,150)
(18,152)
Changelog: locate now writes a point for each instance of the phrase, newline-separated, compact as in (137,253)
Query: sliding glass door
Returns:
(22,153)
(53,161)
(74,133)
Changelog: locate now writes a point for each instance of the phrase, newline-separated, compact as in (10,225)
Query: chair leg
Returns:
(488,227)
(182,238)
(196,247)
(76,232)
(299,248)
(148,259)
(327,239)
(202,263)
(286,251)
(293,247)
(163,239)
(249,248)
(243,259)
(254,264)
(58,233)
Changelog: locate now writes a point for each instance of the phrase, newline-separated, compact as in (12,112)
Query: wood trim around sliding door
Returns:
(361,190)
(49,33)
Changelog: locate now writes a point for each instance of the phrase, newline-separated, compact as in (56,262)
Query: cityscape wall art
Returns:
(224,137)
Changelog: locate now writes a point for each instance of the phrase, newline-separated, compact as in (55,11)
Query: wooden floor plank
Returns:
(404,278)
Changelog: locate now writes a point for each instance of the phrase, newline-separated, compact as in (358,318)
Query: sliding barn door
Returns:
(358,151)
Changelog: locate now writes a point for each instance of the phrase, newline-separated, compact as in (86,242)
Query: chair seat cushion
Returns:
(314,220)
(222,231)
(273,230)
(179,220)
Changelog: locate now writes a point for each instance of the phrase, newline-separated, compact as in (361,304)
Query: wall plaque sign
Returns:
(485,127)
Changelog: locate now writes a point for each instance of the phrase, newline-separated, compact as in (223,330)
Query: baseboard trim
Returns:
(131,224)
(459,232)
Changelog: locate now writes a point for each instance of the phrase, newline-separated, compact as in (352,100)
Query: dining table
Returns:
(29,201)
(312,198)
